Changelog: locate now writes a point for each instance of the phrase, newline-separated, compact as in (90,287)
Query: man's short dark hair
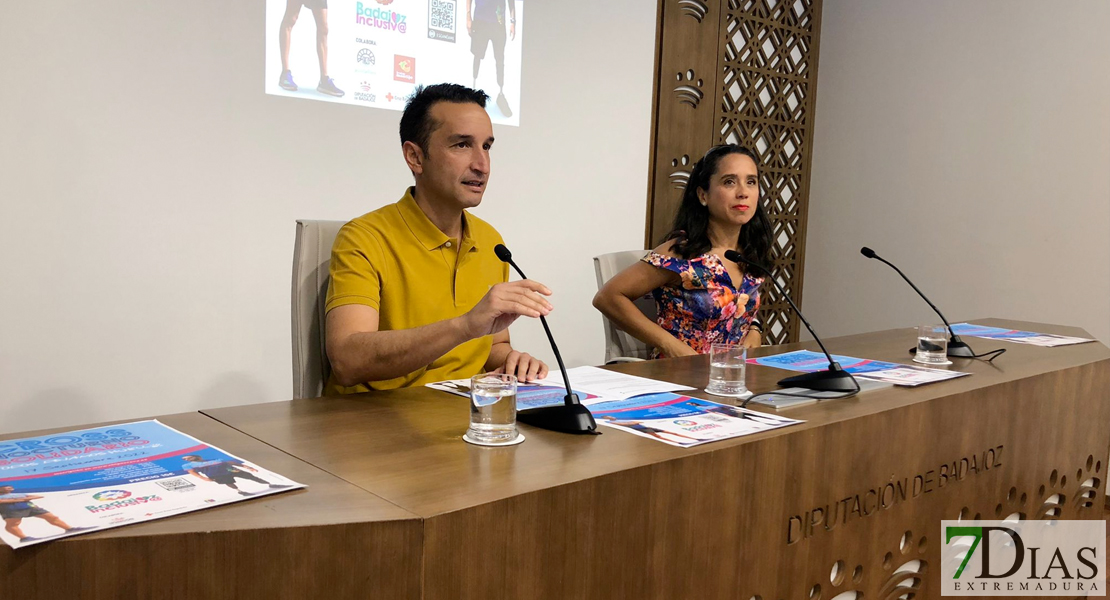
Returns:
(417,124)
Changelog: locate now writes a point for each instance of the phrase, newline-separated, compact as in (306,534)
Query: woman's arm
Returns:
(752,339)
(616,298)
(754,336)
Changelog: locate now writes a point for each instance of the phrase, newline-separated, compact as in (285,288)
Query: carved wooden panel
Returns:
(686,82)
(763,83)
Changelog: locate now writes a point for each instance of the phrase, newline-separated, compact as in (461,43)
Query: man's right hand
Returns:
(503,303)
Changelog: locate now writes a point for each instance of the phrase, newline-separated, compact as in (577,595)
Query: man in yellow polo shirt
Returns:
(417,294)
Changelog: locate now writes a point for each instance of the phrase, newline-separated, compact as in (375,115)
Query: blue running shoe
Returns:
(286,81)
(327,86)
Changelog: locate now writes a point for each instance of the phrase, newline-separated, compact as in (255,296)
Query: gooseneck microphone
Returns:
(956,346)
(572,416)
(835,379)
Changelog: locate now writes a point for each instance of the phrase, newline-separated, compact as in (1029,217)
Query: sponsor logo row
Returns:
(404,67)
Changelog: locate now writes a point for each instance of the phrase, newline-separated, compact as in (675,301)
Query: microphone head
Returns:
(736,257)
(503,253)
(869,253)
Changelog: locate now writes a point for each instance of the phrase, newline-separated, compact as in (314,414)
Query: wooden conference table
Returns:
(399,507)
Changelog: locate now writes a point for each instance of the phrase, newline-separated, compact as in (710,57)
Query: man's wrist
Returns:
(462,326)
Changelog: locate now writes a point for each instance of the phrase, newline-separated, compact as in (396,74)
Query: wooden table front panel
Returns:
(770,519)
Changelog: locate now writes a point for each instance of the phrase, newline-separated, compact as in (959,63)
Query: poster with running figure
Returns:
(65,484)
(375,52)
(684,421)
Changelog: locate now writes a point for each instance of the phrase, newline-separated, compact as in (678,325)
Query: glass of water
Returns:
(492,410)
(932,345)
(727,368)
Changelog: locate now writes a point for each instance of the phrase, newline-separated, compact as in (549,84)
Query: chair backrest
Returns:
(619,344)
(311,259)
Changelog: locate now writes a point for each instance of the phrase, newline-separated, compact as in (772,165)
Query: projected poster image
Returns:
(374,53)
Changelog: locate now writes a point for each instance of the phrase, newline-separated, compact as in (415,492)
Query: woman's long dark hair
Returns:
(691,222)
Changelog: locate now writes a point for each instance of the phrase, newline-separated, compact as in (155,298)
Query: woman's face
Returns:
(733,191)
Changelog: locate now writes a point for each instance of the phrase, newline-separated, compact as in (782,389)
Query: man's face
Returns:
(192,458)
(456,163)
(6,489)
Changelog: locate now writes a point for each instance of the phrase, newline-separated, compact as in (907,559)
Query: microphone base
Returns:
(824,381)
(959,349)
(570,417)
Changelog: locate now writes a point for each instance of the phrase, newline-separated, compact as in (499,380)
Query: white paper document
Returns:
(592,384)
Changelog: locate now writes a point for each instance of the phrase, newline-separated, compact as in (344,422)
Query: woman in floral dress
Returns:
(702,298)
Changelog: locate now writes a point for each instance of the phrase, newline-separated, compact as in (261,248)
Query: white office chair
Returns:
(311,259)
(620,346)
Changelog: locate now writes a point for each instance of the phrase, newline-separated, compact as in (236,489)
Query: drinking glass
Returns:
(932,345)
(492,409)
(727,369)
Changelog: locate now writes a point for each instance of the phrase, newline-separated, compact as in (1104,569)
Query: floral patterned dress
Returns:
(706,307)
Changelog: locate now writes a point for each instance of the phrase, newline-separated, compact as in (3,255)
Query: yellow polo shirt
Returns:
(397,261)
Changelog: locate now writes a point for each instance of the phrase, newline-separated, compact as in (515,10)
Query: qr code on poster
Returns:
(441,15)
(175,484)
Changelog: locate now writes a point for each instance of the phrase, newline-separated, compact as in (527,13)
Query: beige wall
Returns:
(149,191)
(969,143)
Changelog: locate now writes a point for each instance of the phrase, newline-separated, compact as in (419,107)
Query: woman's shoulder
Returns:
(665,257)
(667,249)
(690,272)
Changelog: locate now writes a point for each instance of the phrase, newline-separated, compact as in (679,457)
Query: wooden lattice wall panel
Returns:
(745,72)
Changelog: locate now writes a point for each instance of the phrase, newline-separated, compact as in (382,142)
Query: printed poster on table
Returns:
(684,421)
(875,370)
(65,484)
(528,395)
(593,385)
(1047,340)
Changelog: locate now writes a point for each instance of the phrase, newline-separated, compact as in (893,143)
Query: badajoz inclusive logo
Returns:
(1023,558)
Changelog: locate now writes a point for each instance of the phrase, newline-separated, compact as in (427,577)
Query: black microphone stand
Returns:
(956,346)
(570,417)
(835,379)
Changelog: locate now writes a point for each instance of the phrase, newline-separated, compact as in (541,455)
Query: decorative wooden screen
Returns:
(745,72)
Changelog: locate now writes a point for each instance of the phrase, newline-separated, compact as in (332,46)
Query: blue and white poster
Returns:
(528,395)
(1047,340)
(65,484)
(875,370)
(811,362)
(684,421)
